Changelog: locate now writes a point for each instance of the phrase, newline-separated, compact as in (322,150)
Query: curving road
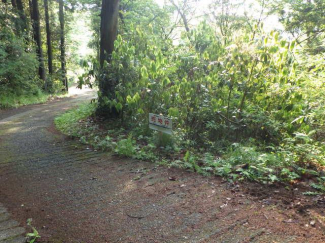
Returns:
(74,194)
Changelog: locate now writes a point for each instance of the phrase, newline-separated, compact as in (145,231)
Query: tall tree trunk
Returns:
(14,4)
(108,29)
(108,34)
(35,16)
(48,37)
(62,45)
(20,7)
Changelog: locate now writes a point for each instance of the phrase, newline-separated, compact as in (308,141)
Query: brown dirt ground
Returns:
(74,194)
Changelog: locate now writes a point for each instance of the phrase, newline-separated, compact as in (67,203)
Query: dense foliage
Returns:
(20,63)
(305,20)
(250,100)
(246,101)
(17,66)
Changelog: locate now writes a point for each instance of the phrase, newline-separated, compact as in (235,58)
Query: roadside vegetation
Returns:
(31,56)
(246,98)
(14,101)
(243,81)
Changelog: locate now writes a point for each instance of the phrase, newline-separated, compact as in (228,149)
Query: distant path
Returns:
(74,194)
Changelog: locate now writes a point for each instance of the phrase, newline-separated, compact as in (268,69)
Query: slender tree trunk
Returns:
(183,16)
(108,29)
(20,5)
(30,9)
(48,37)
(21,12)
(14,4)
(35,16)
(62,45)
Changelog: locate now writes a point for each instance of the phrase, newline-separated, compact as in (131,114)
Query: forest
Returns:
(242,80)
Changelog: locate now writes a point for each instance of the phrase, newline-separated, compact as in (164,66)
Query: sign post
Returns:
(160,123)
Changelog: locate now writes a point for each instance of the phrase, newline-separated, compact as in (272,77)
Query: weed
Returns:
(126,147)
(107,144)
(266,164)
(14,101)
(190,162)
(162,140)
(309,193)
(146,153)
(32,237)
(68,122)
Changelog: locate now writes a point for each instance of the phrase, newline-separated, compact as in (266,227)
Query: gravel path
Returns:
(74,194)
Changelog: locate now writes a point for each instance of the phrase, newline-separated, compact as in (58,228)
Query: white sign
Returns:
(160,123)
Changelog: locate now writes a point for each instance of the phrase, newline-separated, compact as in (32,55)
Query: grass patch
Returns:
(14,101)
(68,123)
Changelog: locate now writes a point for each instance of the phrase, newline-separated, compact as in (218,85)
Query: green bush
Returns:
(251,91)
(126,147)
(18,62)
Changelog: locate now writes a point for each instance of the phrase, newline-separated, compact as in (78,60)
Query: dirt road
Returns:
(74,194)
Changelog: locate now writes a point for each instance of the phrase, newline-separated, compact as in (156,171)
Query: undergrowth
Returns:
(239,161)
(34,235)
(10,100)
(68,122)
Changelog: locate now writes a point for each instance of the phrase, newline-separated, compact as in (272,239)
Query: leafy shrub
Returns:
(162,140)
(17,66)
(211,97)
(247,103)
(126,147)
(252,91)
(249,163)
(106,144)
